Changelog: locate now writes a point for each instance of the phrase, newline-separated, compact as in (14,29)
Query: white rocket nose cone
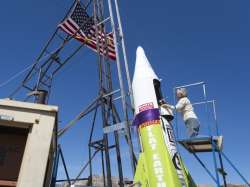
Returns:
(140,51)
(143,68)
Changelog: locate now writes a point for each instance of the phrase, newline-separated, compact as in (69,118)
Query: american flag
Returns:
(82,27)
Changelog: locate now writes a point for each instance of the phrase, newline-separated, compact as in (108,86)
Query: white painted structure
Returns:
(41,120)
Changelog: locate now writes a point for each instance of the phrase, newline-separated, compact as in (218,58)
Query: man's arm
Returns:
(168,106)
(179,106)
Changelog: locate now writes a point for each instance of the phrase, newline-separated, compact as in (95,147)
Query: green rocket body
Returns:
(157,165)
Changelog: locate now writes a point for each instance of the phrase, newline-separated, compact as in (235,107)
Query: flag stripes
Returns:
(81,26)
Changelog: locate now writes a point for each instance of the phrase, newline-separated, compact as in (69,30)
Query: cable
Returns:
(15,76)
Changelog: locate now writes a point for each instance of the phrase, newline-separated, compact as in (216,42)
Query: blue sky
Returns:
(185,41)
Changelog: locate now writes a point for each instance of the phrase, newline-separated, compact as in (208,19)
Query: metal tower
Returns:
(38,83)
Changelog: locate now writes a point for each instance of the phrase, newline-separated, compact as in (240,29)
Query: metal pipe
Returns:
(176,118)
(124,107)
(103,21)
(55,167)
(63,180)
(90,181)
(119,97)
(103,169)
(68,58)
(88,109)
(50,88)
(214,112)
(215,118)
(64,165)
(124,53)
(206,108)
(90,140)
(42,96)
(188,85)
(215,162)
(47,44)
(84,167)
(126,138)
(117,146)
(202,102)
(237,171)
(96,12)
(203,165)
(222,169)
(111,93)
(38,79)
(118,157)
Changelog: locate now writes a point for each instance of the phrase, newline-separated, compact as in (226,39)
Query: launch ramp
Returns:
(202,144)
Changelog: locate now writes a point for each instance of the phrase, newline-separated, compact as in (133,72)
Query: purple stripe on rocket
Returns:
(145,116)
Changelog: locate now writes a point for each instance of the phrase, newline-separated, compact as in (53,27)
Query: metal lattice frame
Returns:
(217,155)
(206,102)
(48,64)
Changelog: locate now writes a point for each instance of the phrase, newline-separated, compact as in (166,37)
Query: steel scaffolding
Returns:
(209,143)
(38,82)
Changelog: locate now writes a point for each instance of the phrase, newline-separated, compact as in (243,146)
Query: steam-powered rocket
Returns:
(159,163)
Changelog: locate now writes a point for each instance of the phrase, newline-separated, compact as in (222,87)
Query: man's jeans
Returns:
(193,126)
